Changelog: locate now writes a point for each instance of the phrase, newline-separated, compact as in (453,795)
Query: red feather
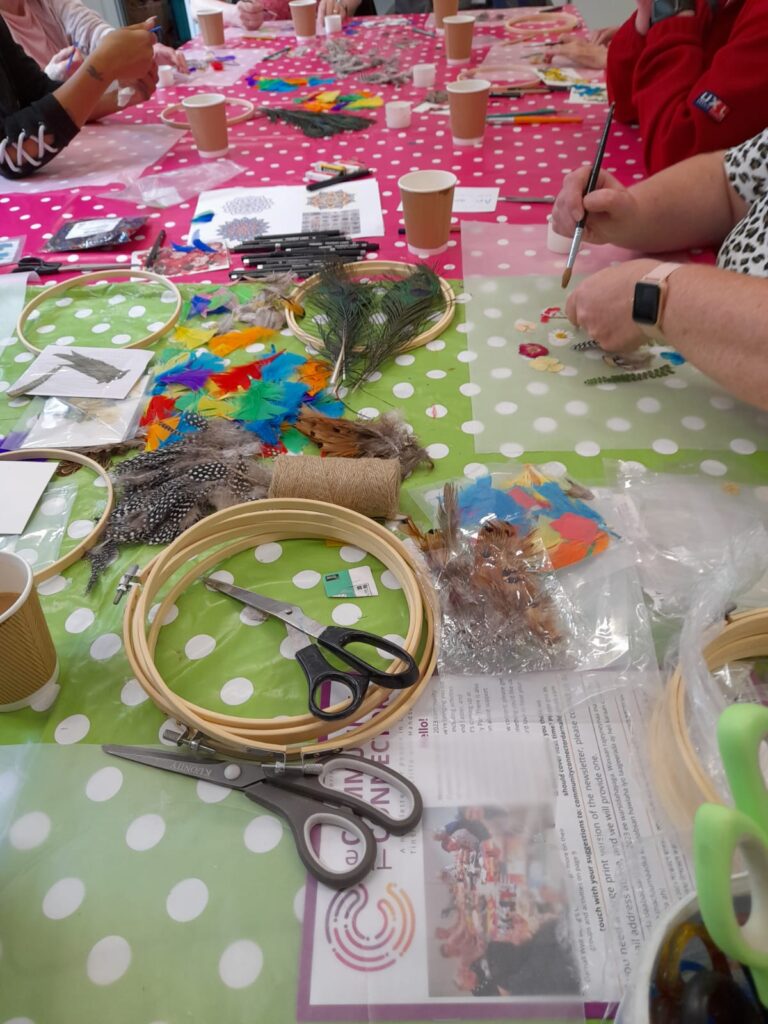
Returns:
(238,378)
(159,408)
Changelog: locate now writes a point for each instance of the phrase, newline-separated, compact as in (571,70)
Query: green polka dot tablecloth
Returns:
(137,898)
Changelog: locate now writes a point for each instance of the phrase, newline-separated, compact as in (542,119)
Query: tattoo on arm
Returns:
(94,72)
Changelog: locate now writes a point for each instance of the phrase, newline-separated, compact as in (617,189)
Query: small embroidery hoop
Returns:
(237,119)
(59,289)
(679,773)
(563,22)
(366,269)
(63,455)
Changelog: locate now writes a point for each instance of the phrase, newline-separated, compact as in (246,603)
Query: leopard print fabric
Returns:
(745,250)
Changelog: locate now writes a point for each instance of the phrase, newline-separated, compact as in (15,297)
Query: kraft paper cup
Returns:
(444,9)
(28,662)
(397,114)
(427,198)
(458,38)
(304,15)
(424,75)
(211,27)
(468,105)
(207,115)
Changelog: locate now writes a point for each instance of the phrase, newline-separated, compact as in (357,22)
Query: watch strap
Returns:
(657,276)
(662,9)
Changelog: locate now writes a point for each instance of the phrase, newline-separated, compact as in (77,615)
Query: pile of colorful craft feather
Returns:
(335,100)
(265,395)
(285,84)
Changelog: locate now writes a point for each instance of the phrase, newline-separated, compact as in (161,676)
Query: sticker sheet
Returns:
(233,215)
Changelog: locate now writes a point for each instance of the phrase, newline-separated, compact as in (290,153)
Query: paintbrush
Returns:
(527,199)
(594,174)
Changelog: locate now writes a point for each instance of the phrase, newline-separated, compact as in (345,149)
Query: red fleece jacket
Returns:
(694,84)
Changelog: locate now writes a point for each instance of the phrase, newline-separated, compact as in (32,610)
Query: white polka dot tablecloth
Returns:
(134,897)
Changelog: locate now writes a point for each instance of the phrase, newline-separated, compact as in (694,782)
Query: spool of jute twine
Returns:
(368,486)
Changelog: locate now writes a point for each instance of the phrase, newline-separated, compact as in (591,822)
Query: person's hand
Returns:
(603,36)
(331,7)
(580,52)
(125,53)
(611,207)
(643,16)
(602,306)
(143,88)
(167,55)
(250,14)
(58,67)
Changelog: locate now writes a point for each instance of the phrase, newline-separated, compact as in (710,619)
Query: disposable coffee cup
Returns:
(211,27)
(427,198)
(207,115)
(397,114)
(28,662)
(424,75)
(165,76)
(443,9)
(333,24)
(304,15)
(458,38)
(468,105)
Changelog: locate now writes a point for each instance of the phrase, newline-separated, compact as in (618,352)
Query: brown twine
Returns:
(368,486)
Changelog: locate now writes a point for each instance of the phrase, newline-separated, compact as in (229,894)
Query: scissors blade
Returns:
(231,774)
(288,613)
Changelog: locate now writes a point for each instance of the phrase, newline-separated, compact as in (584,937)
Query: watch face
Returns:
(645,309)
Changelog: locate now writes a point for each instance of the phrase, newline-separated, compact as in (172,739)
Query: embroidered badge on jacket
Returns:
(712,105)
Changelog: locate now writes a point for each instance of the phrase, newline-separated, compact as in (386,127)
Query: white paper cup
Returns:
(427,207)
(557,243)
(304,17)
(333,23)
(424,75)
(207,115)
(28,662)
(397,114)
(468,106)
(165,75)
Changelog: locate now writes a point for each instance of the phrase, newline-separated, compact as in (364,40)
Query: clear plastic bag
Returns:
(94,233)
(172,187)
(40,543)
(84,422)
(502,608)
(684,527)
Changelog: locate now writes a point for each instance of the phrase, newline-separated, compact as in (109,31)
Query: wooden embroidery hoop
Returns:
(237,119)
(60,289)
(512,75)
(62,455)
(241,528)
(680,776)
(549,24)
(366,269)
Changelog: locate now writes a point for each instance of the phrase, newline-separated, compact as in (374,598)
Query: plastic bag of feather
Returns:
(570,528)
(502,609)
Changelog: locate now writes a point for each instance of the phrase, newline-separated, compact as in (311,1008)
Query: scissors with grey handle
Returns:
(302,796)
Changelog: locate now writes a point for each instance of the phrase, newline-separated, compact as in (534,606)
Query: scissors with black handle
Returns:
(301,794)
(335,639)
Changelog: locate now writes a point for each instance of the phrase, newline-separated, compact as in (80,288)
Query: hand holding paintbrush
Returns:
(591,185)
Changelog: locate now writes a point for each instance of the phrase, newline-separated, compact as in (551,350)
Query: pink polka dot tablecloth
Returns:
(522,160)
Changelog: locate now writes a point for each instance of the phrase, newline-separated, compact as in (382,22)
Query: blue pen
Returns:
(71,59)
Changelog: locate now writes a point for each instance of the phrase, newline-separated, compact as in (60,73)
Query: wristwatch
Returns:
(650,299)
(661,9)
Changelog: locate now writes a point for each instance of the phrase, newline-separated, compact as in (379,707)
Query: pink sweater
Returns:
(47,26)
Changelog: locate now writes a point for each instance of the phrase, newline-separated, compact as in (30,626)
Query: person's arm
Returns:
(43,119)
(689,205)
(715,318)
(623,54)
(580,52)
(82,25)
(690,103)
